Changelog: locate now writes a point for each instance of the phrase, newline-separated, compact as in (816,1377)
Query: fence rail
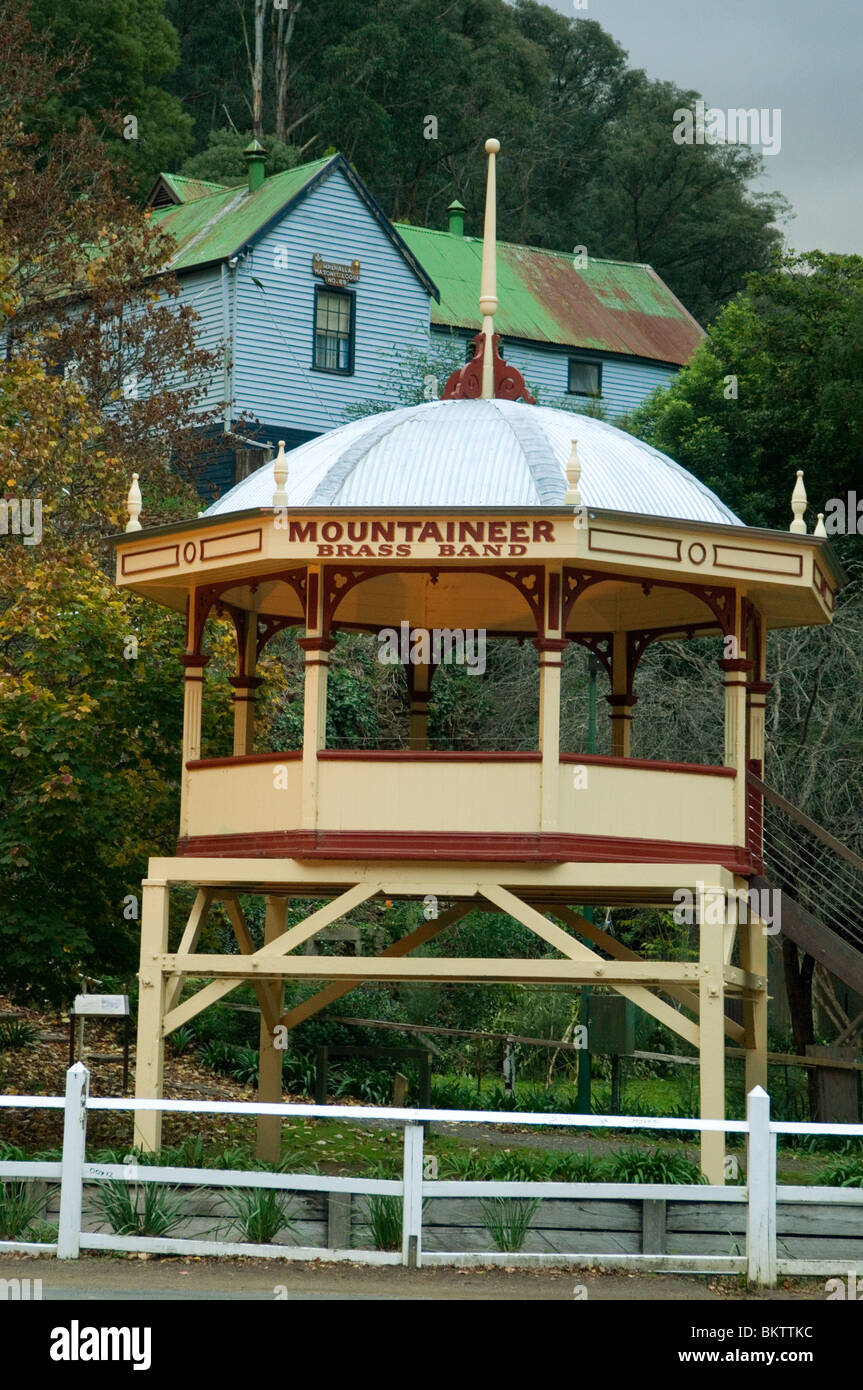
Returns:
(760,1259)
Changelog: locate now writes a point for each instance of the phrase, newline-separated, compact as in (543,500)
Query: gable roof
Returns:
(213,226)
(607,306)
(170,189)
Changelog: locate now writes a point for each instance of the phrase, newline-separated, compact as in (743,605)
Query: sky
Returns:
(804,57)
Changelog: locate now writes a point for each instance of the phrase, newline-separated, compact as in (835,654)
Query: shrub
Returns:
(20,1211)
(507,1220)
(180,1041)
(639,1165)
(160,1212)
(846,1171)
(261,1212)
(17,1034)
(385,1222)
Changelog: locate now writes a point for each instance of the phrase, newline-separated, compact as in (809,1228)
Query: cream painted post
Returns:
(753,957)
(150,1046)
(317,647)
(711,1031)
(551,647)
(193,685)
(621,698)
(735,668)
(269,1148)
(245,683)
(488,273)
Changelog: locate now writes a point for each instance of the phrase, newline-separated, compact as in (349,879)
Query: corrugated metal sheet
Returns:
(480,454)
(188,190)
(610,306)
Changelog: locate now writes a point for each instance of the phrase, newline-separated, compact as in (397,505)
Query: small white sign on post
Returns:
(115,1005)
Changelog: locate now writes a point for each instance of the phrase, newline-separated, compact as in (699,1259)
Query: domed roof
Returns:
(480,453)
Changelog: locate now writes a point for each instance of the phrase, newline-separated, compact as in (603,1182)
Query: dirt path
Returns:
(97,1278)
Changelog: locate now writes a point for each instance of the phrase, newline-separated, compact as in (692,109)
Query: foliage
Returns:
(145,1209)
(507,1220)
(845,1171)
(657,1165)
(17,1034)
(384,1221)
(261,1212)
(182,1040)
(20,1211)
(794,343)
(222,161)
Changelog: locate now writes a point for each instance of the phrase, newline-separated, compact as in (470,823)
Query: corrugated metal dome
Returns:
(480,453)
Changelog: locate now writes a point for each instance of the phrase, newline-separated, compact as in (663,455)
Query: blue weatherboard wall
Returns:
(625,382)
(273,374)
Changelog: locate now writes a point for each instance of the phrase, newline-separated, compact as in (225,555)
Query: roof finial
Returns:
(488,283)
(798,505)
(133,505)
(820,528)
(280,473)
(573,474)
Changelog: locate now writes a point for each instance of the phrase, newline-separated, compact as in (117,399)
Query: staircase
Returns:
(821,881)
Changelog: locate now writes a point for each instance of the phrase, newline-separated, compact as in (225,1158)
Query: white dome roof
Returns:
(482,453)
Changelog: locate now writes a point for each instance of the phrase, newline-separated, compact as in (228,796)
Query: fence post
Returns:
(761,1183)
(72,1179)
(412,1210)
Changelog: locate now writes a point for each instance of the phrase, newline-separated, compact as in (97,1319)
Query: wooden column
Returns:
(269,1146)
(245,684)
(621,698)
(757,690)
(317,647)
(150,1047)
(735,668)
(551,647)
(194,663)
(711,1045)
(753,957)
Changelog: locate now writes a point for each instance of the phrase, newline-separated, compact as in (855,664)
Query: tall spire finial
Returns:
(488,283)
(133,505)
(486,376)
(798,505)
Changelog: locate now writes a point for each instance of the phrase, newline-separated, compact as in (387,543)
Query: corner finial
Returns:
(820,528)
(280,473)
(133,505)
(573,474)
(798,505)
(488,282)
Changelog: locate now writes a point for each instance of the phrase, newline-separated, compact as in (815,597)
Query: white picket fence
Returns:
(760,1263)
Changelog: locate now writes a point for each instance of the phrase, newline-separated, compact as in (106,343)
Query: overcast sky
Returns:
(803,56)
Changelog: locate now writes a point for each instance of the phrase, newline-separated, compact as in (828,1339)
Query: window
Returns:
(585,378)
(334,331)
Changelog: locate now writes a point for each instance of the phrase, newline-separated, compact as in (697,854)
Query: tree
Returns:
(120,52)
(777,386)
(222,161)
(90,718)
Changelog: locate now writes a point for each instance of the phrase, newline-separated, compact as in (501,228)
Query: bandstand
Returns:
(480,511)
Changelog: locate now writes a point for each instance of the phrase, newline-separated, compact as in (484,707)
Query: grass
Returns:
(507,1220)
(21,1212)
(261,1213)
(158,1211)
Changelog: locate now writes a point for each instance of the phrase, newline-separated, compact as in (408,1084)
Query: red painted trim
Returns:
(708,770)
(396,755)
(241,759)
(515,848)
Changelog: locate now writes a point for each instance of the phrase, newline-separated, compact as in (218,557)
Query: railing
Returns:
(824,876)
(760,1195)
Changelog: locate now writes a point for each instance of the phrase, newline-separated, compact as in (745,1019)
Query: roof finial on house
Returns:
(820,528)
(133,505)
(280,472)
(573,474)
(798,505)
(488,283)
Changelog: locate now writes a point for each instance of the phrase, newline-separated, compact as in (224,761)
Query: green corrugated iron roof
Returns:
(217,225)
(608,306)
(187,190)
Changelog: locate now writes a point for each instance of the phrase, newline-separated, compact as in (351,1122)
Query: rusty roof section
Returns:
(550,297)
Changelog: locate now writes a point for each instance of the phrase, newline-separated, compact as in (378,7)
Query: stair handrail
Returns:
(812,826)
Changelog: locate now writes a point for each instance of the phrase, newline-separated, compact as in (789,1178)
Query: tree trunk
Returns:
(798,987)
(284,18)
(258,73)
